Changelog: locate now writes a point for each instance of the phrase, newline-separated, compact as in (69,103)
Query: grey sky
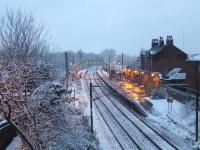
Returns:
(125,25)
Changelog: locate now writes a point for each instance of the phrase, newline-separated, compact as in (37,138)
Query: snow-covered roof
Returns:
(155,50)
(175,74)
(194,58)
(179,76)
(174,71)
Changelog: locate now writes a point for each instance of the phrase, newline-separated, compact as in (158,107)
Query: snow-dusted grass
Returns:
(179,120)
(179,113)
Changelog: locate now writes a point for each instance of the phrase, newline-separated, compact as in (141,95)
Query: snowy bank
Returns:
(175,118)
(56,123)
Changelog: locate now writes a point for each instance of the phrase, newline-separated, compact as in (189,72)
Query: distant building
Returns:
(163,58)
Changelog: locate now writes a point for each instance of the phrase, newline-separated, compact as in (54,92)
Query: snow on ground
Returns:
(180,119)
(14,145)
(82,102)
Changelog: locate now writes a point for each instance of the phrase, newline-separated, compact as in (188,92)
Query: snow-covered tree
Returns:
(28,98)
(24,64)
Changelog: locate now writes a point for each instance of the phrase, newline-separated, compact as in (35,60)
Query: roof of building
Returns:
(176,74)
(156,50)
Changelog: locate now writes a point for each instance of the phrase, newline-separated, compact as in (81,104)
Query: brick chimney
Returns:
(154,43)
(169,39)
(161,42)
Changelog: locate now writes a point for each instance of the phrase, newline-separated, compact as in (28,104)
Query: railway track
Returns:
(150,133)
(131,127)
(122,137)
(135,118)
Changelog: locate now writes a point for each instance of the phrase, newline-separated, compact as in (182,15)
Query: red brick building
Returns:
(163,57)
(171,62)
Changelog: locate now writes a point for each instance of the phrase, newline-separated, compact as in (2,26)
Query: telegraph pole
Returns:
(197,102)
(66,64)
(73,60)
(109,68)
(67,69)
(73,75)
(122,63)
(91,112)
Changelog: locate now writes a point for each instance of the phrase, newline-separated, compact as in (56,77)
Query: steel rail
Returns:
(162,137)
(107,123)
(130,137)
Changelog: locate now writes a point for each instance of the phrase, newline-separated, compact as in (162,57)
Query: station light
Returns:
(129,70)
(152,74)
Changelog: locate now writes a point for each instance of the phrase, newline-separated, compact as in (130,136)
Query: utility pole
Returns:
(122,63)
(197,102)
(91,112)
(73,74)
(73,60)
(66,64)
(109,68)
(67,69)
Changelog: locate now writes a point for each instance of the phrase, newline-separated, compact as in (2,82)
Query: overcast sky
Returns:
(125,25)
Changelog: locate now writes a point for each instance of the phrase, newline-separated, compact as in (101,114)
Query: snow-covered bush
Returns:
(47,108)
(57,125)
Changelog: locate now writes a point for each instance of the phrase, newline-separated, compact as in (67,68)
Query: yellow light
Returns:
(136,71)
(129,70)
(142,72)
(152,74)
